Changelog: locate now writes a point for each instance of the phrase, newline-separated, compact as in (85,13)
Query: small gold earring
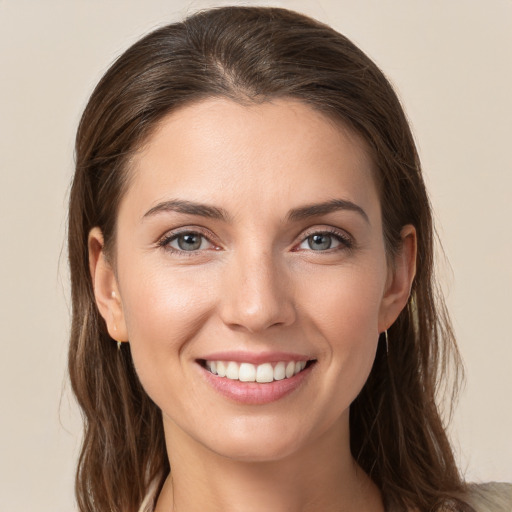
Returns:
(387,340)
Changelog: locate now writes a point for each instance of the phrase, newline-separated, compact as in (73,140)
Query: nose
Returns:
(257,294)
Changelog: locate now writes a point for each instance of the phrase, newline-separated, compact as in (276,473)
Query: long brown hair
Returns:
(254,54)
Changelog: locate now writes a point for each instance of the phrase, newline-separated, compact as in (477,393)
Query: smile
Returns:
(261,373)
(258,382)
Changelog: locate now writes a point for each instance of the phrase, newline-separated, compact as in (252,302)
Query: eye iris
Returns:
(189,242)
(319,242)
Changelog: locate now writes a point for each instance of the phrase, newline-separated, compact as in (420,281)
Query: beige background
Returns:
(451,62)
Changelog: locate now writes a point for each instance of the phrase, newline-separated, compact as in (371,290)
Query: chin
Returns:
(248,450)
(260,439)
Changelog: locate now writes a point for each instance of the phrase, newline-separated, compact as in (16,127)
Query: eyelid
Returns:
(346,240)
(172,234)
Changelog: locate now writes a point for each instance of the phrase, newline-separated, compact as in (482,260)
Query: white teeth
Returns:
(232,371)
(247,372)
(279,371)
(221,369)
(265,373)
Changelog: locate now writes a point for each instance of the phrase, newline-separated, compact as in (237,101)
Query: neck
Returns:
(322,477)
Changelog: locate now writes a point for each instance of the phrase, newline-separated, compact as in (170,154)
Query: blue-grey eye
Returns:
(188,242)
(320,242)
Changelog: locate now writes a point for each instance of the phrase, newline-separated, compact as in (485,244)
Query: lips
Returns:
(255,378)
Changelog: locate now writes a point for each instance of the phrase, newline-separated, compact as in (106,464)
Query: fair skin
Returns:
(253,275)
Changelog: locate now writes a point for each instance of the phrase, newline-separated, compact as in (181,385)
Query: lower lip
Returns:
(254,393)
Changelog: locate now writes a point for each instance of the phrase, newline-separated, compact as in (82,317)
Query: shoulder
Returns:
(490,497)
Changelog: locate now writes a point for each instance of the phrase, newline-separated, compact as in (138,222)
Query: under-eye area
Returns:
(261,373)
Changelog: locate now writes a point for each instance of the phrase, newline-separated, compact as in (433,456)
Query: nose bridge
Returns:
(258,294)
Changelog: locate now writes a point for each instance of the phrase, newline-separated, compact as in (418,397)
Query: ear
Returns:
(401,274)
(106,291)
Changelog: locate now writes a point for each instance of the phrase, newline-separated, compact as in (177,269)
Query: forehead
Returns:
(278,152)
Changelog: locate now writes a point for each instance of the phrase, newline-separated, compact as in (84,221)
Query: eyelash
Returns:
(164,242)
(346,242)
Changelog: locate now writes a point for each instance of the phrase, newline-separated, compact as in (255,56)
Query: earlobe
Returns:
(105,287)
(400,278)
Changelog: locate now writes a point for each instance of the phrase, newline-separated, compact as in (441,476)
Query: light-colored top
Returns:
(489,497)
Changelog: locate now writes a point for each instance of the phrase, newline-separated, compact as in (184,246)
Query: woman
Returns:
(255,321)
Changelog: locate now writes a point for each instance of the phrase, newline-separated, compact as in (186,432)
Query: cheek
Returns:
(345,300)
(164,309)
(343,309)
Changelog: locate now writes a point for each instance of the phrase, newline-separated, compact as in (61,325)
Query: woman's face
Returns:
(250,242)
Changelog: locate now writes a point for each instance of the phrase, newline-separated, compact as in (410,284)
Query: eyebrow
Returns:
(187,207)
(212,212)
(314,210)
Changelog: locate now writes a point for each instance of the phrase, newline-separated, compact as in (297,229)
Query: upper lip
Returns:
(255,357)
